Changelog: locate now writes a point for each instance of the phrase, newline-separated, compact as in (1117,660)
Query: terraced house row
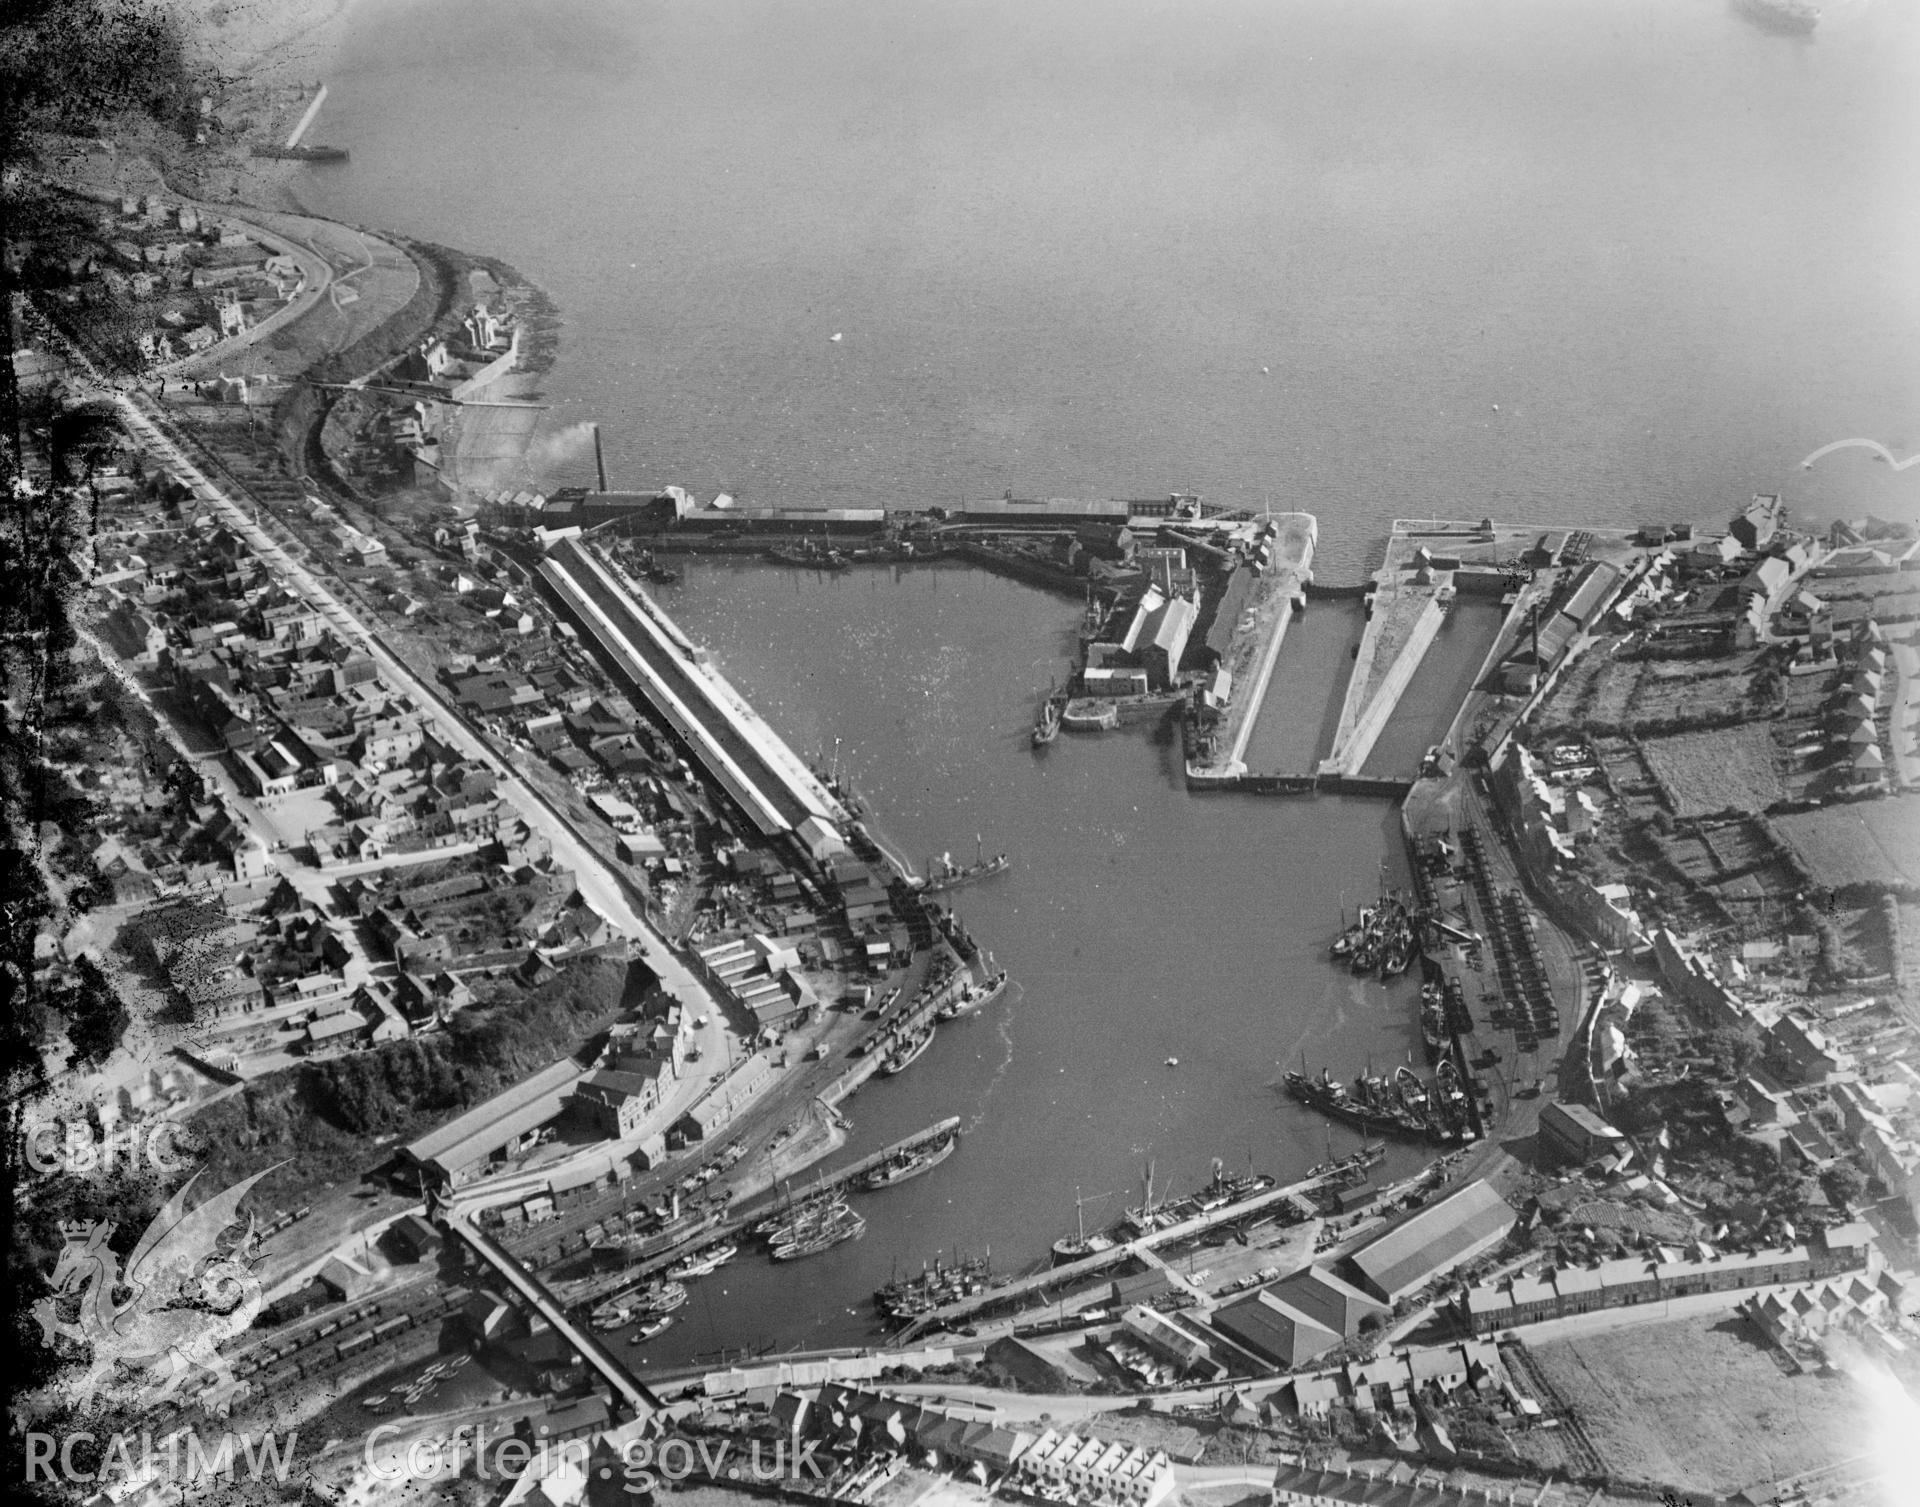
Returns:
(1557,1293)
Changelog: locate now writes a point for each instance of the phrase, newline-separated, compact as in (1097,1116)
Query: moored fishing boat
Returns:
(945,874)
(843,1225)
(973,997)
(910,1164)
(907,1053)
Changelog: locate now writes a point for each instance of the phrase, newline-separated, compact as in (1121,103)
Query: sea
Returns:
(1555,261)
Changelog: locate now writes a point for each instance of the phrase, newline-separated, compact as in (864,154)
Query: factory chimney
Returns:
(599,459)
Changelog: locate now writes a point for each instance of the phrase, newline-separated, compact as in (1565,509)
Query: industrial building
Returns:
(1299,1318)
(775,791)
(1439,1238)
(460,1149)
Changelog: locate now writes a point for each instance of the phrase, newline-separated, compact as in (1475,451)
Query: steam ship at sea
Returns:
(1781,15)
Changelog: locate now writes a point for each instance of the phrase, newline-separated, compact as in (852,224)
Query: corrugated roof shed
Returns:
(1434,1241)
(1591,591)
(1226,615)
(474,1136)
(1274,1329)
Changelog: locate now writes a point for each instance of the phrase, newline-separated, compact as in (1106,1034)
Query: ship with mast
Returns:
(837,1224)
(1383,938)
(974,996)
(907,1052)
(904,1299)
(1400,1106)
(944,874)
(913,1162)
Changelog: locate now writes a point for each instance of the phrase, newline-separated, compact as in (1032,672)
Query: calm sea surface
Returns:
(1274,252)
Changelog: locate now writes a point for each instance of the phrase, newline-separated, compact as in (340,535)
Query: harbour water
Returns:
(1290,254)
(1140,923)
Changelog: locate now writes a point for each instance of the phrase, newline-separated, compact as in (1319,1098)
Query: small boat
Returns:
(703,1263)
(663,1298)
(907,1053)
(612,1314)
(1048,727)
(649,1329)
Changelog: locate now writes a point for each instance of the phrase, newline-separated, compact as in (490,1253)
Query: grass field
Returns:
(1864,842)
(1732,769)
(1700,1405)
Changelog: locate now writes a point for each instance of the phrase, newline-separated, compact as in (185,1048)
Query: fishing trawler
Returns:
(973,997)
(1365,1109)
(1433,1022)
(910,1164)
(1073,1247)
(905,1299)
(945,874)
(1352,1169)
(907,1053)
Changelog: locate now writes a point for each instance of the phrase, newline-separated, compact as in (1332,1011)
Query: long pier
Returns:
(642,1269)
(853,1171)
(1027,1291)
(533,1291)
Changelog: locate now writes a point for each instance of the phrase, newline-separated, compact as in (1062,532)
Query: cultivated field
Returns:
(1731,769)
(1865,842)
(1602,692)
(1698,1404)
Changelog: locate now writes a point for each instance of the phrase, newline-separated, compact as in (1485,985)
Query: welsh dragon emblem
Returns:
(165,1316)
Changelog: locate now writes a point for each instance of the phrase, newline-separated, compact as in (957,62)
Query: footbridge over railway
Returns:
(779,795)
(640,1402)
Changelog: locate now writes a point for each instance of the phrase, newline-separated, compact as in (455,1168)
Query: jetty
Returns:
(1033,1291)
(849,1176)
(1277,591)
